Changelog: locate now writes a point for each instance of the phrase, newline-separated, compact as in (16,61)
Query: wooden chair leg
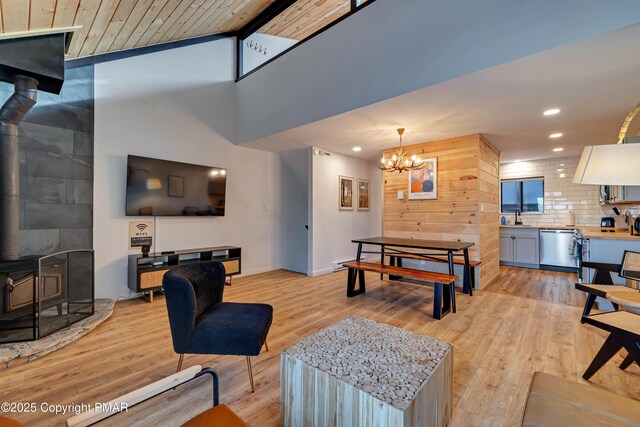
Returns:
(610,348)
(180,363)
(588,305)
(253,389)
(266,346)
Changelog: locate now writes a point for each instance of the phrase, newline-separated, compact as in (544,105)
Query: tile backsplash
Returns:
(560,194)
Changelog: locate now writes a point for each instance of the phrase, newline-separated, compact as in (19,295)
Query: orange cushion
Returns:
(218,416)
(8,422)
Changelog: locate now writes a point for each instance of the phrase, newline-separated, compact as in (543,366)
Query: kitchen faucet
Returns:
(518,221)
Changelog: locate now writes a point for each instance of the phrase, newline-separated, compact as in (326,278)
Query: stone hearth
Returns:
(15,354)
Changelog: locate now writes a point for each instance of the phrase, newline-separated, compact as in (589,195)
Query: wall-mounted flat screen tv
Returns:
(164,188)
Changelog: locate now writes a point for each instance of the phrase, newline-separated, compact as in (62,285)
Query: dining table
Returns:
(396,246)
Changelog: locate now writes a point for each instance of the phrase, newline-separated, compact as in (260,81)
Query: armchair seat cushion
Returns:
(231,328)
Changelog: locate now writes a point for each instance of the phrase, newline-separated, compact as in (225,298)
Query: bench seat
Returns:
(469,282)
(436,258)
(442,303)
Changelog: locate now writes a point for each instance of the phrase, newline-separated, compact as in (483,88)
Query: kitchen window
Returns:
(526,194)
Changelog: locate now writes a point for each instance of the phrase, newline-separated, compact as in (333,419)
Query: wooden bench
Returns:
(468,283)
(442,303)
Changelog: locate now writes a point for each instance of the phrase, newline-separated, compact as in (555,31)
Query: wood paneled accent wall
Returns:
(467,205)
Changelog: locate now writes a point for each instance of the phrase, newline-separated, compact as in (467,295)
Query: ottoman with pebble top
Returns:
(361,373)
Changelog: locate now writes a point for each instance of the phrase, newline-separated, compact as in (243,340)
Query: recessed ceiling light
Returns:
(561,164)
(558,149)
(556,135)
(551,112)
(357,148)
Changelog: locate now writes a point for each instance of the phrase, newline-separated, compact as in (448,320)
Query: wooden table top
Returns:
(443,245)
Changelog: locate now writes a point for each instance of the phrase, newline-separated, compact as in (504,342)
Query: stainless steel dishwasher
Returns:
(554,249)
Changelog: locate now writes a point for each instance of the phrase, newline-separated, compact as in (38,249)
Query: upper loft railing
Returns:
(284,25)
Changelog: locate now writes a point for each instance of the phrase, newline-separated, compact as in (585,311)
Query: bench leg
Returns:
(352,274)
(441,301)
(588,305)
(392,261)
(437,301)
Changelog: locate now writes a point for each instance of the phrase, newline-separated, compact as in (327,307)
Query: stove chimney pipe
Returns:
(12,112)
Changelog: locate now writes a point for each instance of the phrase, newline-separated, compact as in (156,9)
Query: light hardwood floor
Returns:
(526,321)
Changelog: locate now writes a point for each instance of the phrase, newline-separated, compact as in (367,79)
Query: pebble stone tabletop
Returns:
(386,362)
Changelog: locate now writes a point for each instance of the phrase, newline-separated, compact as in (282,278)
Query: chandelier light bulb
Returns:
(400,160)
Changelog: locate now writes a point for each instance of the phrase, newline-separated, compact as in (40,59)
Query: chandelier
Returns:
(400,161)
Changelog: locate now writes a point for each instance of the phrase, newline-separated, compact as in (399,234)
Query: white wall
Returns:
(273,44)
(333,229)
(179,104)
(394,47)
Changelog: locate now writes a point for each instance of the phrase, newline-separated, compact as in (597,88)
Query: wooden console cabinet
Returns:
(145,272)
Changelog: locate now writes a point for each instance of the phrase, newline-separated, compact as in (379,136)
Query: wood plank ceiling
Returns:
(114,25)
(305,17)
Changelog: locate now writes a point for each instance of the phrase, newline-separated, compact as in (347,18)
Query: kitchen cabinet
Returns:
(520,247)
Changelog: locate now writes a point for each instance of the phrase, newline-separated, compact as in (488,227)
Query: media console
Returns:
(145,272)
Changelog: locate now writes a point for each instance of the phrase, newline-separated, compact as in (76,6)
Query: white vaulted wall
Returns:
(179,105)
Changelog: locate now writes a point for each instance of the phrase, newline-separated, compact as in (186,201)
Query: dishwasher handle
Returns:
(550,230)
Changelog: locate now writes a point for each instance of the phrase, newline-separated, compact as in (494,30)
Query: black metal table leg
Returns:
(468,280)
(382,259)
(453,284)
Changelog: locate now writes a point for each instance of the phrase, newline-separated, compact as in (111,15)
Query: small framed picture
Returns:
(345,192)
(423,183)
(176,186)
(363,194)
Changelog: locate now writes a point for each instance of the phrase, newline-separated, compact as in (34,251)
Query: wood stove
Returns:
(41,295)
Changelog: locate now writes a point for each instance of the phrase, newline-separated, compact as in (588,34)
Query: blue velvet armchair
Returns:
(202,324)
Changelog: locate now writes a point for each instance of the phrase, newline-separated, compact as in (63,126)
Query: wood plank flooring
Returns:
(526,321)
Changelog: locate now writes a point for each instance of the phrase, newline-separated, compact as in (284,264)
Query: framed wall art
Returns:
(345,192)
(176,186)
(363,194)
(423,183)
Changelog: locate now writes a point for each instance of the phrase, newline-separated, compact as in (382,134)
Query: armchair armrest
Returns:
(142,394)
(603,271)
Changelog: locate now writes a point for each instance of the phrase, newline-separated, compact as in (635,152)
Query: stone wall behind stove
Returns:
(56,167)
